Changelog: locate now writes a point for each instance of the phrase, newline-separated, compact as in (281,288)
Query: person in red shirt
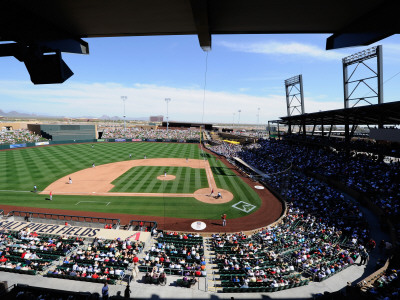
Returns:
(3,259)
(135,259)
(95,276)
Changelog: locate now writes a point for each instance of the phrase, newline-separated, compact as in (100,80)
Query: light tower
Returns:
(167,100)
(239,111)
(124,99)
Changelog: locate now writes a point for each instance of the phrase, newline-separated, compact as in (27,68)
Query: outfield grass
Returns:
(143,179)
(21,169)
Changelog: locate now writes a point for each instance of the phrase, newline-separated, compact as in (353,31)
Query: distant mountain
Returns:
(19,115)
(103,117)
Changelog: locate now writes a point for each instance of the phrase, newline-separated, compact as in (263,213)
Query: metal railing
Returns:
(28,215)
(135,225)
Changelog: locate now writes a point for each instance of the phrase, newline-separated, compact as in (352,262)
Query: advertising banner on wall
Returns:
(136,140)
(78,231)
(101,140)
(120,140)
(17,146)
(41,143)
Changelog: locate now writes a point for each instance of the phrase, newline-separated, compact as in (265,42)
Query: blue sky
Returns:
(244,72)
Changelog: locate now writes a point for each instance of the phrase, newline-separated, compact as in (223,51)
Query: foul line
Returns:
(15,191)
(93,202)
(116,194)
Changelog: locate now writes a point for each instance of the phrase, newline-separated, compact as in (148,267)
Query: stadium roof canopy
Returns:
(39,27)
(385,114)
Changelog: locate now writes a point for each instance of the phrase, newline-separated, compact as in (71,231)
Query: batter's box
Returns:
(244,206)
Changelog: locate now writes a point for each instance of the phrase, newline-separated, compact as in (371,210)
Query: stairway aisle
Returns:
(210,267)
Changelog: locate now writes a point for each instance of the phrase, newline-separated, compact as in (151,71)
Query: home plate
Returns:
(259,187)
(198,225)
(94,192)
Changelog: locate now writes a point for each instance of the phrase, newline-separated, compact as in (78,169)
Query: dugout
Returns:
(65,132)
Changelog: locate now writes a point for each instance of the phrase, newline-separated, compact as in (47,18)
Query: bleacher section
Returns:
(180,254)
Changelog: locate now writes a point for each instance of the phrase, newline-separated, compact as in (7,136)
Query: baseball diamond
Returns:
(129,188)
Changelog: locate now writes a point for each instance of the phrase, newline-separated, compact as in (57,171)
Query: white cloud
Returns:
(392,47)
(97,99)
(279,48)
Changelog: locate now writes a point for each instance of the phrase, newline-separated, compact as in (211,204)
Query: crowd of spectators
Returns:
(176,253)
(364,145)
(226,149)
(249,133)
(19,136)
(140,133)
(377,180)
(387,286)
(276,258)
(322,233)
(27,252)
(103,260)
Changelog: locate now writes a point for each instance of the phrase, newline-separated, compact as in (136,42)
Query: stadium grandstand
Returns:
(337,231)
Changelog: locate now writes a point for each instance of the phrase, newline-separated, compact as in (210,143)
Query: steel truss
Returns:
(361,58)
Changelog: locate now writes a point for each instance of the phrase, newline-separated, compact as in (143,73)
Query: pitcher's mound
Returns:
(203,195)
(168,177)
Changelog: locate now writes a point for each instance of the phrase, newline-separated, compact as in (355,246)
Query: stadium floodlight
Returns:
(167,100)
(294,96)
(361,56)
(352,80)
(239,111)
(124,99)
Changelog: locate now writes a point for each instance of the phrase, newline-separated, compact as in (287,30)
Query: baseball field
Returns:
(174,180)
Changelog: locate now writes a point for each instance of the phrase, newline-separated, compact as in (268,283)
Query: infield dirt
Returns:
(97,180)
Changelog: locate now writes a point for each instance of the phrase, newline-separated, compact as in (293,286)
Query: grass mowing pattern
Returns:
(21,169)
(143,179)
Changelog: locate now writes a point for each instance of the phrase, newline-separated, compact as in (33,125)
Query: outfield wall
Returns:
(24,145)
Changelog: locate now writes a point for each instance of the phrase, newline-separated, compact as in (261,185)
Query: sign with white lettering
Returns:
(67,230)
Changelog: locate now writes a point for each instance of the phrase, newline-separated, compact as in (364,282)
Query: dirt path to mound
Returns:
(96,181)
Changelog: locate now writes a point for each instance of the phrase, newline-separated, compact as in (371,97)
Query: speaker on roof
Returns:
(49,68)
